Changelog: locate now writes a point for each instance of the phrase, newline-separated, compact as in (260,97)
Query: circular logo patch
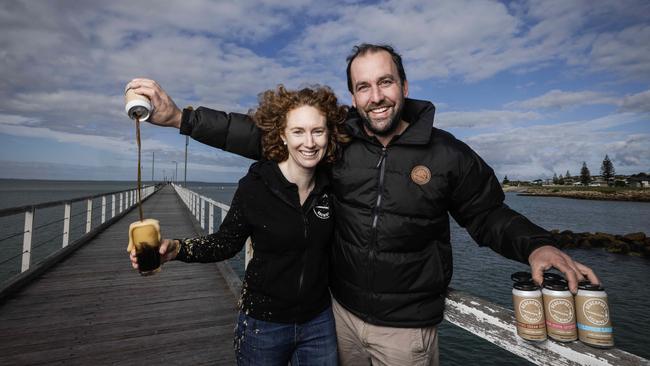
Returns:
(322,207)
(531,311)
(561,310)
(420,174)
(596,311)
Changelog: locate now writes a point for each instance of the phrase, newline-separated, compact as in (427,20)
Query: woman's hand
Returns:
(168,252)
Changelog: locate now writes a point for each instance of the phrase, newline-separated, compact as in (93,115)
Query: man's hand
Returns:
(168,252)
(545,257)
(165,112)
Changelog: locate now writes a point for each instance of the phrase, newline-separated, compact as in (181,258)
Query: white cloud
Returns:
(625,52)
(63,64)
(532,152)
(483,118)
(13,119)
(639,102)
(477,39)
(563,99)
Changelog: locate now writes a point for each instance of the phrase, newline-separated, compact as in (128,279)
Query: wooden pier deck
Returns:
(94,309)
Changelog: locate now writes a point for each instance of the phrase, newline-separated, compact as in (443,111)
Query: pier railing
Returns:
(84,216)
(484,319)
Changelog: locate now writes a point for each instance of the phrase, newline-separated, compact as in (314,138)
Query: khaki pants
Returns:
(361,343)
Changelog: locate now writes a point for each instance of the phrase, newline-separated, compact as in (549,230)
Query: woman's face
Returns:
(306,136)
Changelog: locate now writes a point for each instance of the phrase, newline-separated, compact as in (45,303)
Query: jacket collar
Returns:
(270,173)
(418,113)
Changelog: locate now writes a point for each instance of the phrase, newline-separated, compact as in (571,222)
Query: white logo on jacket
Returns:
(322,207)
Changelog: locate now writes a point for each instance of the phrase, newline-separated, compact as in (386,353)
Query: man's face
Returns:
(378,93)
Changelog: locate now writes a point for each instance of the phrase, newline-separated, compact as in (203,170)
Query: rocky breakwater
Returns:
(604,194)
(636,244)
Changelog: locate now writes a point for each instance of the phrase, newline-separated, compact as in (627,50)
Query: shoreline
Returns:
(597,193)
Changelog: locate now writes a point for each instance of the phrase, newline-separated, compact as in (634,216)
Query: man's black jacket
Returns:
(391,258)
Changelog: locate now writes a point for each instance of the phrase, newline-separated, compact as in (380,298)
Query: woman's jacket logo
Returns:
(322,207)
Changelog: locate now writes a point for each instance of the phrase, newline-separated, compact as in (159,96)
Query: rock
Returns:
(584,243)
(636,246)
(635,236)
(618,247)
(605,235)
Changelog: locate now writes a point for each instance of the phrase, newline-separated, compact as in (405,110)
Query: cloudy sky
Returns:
(535,87)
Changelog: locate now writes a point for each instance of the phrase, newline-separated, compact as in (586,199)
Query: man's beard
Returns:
(386,131)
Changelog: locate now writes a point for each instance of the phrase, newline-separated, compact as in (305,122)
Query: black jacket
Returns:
(392,259)
(286,280)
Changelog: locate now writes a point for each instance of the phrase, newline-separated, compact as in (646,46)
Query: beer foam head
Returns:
(145,232)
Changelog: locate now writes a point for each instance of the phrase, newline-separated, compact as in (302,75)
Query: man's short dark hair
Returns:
(365,48)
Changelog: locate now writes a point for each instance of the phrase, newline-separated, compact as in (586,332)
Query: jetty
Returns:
(85,305)
(93,308)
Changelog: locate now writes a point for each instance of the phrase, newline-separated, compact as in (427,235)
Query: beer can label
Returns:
(529,313)
(560,318)
(594,323)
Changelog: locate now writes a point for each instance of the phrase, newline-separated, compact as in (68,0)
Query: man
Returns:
(394,186)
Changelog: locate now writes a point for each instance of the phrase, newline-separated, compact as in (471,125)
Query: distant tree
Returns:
(607,170)
(505,181)
(555,178)
(567,175)
(560,180)
(585,175)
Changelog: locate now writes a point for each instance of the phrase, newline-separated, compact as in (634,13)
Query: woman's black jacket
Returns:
(286,280)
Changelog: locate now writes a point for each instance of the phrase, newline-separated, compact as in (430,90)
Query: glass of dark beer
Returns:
(144,237)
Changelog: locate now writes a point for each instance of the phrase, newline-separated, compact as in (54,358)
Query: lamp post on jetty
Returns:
(187,141)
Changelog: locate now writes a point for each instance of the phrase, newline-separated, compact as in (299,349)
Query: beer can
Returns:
(593,319)
(529,311)
(559,311)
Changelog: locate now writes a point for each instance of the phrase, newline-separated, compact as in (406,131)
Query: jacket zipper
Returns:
(302,269)
(381,165)
(305,223)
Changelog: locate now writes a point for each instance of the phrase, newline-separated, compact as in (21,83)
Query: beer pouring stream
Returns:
(137,137)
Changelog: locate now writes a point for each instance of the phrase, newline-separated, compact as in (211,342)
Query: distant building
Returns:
(639,182)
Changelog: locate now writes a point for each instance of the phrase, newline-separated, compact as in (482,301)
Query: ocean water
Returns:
(477,270)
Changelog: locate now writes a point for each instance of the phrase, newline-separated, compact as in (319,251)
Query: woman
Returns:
(283,205)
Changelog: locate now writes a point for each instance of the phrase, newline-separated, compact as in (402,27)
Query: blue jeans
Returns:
(259,342)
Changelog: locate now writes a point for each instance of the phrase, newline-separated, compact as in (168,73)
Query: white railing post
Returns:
(27,240)
(202,212)
(103,209)
(121,201)
(89,215)
(113,206)
(211,219)
(196,206)
(66,225)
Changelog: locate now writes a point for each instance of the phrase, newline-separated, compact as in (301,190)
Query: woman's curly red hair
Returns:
(271,117)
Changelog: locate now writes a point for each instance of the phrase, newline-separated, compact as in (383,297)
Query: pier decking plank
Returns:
(94,309)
